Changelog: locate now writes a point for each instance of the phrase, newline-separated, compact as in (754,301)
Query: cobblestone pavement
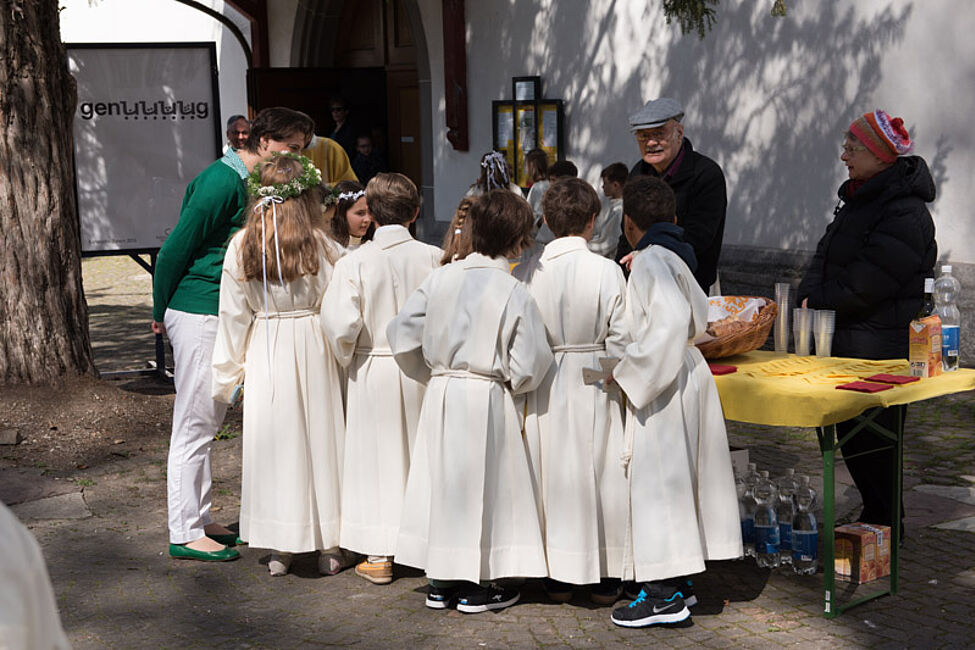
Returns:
(118,589)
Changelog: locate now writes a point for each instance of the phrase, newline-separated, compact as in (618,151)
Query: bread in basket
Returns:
(744,335)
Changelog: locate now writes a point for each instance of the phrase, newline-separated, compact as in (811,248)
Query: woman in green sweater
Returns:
(186,294)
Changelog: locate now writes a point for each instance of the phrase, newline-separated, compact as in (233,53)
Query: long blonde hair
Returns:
(299,235)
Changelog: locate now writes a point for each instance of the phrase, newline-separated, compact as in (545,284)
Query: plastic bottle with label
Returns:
(946,290)
(766,523)
(746,509)
(785,510)
(805,535)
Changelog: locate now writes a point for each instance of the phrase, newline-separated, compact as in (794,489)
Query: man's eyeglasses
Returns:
(657,135)
(241,132)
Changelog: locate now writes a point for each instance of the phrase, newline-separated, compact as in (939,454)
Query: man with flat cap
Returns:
(697,181)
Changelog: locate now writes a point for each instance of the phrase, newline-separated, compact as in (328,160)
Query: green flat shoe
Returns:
(180,552)
(228,539)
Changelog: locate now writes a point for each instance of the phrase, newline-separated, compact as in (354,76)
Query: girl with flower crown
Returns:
(350,224)
(269,340)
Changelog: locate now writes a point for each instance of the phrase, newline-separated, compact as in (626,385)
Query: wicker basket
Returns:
(745,340)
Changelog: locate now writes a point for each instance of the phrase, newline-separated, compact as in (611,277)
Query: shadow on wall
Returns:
(768,98)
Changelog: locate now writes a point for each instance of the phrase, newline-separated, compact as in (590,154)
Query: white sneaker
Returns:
(279,564)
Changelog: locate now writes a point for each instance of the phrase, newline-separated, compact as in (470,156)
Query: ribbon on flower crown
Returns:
(495,162)
(262,205)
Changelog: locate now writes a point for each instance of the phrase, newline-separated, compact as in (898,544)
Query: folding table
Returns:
(778,389)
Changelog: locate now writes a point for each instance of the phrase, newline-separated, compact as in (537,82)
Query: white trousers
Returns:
(196,418)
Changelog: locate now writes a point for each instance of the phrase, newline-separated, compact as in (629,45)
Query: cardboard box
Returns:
(925,347)
(862,552)
(739,461)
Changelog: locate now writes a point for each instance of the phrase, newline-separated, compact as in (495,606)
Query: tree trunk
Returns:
(43,314)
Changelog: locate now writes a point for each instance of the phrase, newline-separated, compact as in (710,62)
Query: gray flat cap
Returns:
(655,113)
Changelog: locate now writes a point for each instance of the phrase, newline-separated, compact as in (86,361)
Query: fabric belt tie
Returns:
(297,313)
(580,347)
(463,374)
(374,352)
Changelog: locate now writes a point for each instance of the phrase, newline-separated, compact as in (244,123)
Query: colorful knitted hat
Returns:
(886,138)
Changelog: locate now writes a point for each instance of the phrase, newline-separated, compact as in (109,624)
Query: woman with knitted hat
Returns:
(870,267)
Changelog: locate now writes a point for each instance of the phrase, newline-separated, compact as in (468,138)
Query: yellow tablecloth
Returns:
(780,389)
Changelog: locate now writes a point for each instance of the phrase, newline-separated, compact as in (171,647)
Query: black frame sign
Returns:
(147,122)
(527,122)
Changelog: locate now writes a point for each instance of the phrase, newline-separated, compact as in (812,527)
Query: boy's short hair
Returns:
(568,205)
(648,200)
(616,173)
(392,198)
(501,222)
(562,169)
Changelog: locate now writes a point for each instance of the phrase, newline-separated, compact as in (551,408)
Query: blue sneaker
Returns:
(656,604)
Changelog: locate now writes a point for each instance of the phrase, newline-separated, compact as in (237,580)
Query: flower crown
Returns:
(310,177)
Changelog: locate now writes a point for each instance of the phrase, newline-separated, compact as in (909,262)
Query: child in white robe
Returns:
(369,287)
(268,337)
(683,505)
(349,222)
(475,335)
(575,430)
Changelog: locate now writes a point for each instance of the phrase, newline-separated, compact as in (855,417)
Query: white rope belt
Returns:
(297,313)
(463,374)
(580,347)
(374,352)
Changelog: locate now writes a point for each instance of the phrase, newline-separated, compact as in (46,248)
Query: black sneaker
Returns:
(656,604)
(484,599)
(686,588)
(441,597)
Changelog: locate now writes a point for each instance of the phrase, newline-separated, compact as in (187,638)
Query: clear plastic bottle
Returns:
(766,523)
(946,290)
(746,509)
(785,510)
(805,535)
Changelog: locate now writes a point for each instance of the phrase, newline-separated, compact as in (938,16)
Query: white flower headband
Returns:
(495,163)
(351,196)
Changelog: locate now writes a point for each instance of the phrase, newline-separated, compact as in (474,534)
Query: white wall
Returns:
(147,21)
(768,98)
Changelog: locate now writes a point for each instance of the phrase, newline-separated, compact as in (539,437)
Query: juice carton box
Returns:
(862,552)
(925,347)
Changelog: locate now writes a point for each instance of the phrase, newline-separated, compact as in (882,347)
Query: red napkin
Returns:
(864,387)
(718,369)
(893,379)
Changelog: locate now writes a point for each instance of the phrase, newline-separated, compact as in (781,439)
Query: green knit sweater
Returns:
(188,267)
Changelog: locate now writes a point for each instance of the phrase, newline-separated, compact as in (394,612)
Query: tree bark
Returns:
(43,313)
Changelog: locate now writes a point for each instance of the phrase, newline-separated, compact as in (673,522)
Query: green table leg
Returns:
(827,444)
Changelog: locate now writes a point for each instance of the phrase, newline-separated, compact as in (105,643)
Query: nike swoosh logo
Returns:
(657,611)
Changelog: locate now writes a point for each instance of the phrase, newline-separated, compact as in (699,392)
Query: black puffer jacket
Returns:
(871,263)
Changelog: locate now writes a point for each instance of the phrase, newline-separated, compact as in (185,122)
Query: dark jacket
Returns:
(702,201)
(871,263)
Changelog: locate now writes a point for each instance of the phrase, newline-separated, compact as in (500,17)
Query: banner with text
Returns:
(147,122)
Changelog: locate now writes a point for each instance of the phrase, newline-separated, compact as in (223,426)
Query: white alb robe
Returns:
(294,428)
(575,431)
(470,511)
(606,229)
(683,506)
(369,287)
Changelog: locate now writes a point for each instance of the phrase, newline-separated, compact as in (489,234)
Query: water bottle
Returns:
(805,536)
(946,290)
(766,523)
(746,510)
(785,510)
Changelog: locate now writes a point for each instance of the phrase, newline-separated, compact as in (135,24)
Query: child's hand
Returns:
(627,260)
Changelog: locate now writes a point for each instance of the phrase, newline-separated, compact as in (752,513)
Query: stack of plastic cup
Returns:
(823,327)
(783,300)
(802,329)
